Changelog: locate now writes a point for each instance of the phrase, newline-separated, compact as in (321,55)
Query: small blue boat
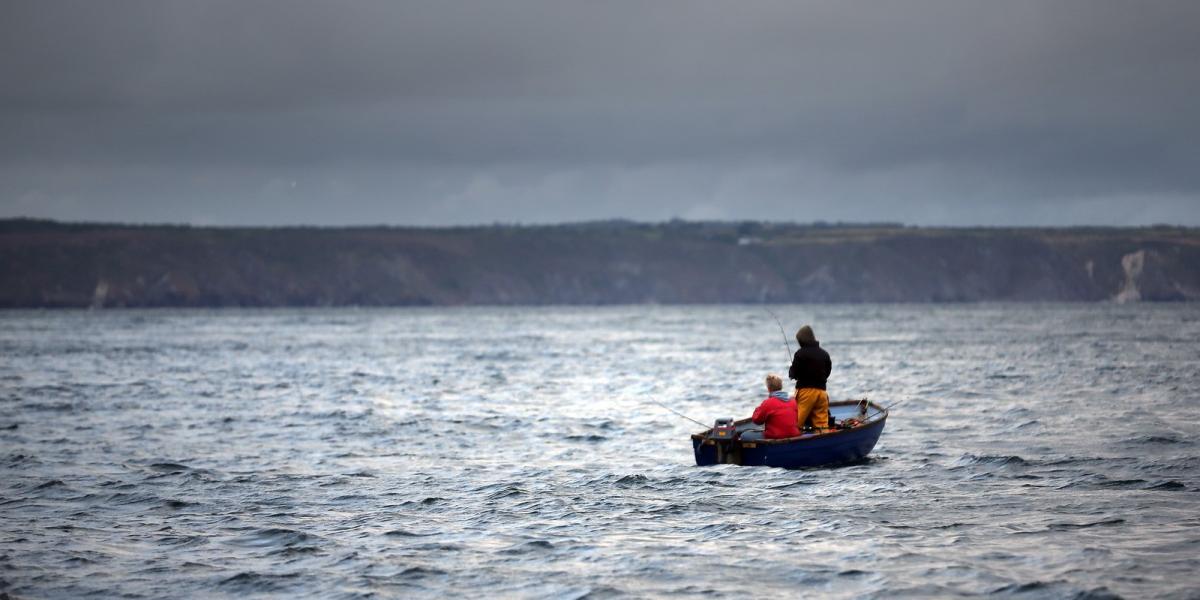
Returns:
(723,444)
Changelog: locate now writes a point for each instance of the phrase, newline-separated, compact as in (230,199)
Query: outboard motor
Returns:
(724,429)
(723,433)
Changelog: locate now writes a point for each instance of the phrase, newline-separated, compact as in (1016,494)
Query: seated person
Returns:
(777,412)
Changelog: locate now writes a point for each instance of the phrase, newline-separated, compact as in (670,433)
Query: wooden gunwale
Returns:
(804,438)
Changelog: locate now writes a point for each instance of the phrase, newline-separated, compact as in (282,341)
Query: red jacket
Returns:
(778,413)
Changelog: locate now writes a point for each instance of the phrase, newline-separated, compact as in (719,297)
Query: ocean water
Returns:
(1040,451)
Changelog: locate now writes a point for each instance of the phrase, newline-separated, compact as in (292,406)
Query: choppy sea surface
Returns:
(1040,451)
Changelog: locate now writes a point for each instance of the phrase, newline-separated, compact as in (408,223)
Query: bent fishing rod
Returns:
(786,343)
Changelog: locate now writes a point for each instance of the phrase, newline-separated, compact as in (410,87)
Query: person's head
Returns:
(805,336)
(774,383)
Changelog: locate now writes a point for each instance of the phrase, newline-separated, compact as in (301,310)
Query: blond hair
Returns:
(774,383)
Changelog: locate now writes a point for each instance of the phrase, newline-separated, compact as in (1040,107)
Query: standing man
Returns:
(810,368)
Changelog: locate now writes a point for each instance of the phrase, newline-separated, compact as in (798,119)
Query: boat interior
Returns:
(839,411)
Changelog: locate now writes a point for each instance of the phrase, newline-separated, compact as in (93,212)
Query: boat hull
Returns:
(827,449)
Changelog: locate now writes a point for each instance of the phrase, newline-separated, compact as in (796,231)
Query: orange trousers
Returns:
(812,405)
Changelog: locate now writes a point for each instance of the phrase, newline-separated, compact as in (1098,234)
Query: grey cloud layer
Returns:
(280,112)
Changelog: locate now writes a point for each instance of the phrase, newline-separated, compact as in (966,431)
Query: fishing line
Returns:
(781,332)
(677,413)
(883,410)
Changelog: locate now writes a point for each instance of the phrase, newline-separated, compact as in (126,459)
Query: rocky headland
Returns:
(51,264)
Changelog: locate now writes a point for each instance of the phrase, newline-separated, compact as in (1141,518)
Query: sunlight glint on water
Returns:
(1045,450)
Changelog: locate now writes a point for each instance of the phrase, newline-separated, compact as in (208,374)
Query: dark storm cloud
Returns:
(279,112)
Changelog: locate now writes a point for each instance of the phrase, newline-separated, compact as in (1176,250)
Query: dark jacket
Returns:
(810,366)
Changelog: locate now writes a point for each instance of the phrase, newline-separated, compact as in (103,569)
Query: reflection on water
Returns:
(1042,451)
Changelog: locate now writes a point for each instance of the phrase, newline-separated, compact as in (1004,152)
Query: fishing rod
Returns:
(883,409)
(677,413)
(781,332)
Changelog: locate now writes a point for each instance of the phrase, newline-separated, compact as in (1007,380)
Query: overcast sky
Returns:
(443,112)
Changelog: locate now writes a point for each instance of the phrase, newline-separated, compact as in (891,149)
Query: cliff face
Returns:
(44,264)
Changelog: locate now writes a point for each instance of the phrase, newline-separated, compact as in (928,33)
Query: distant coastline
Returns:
(47,264)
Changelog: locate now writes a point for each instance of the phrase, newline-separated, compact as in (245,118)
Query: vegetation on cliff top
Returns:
(51,264)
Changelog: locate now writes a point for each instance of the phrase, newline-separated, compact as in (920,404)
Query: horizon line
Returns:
(676,221)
